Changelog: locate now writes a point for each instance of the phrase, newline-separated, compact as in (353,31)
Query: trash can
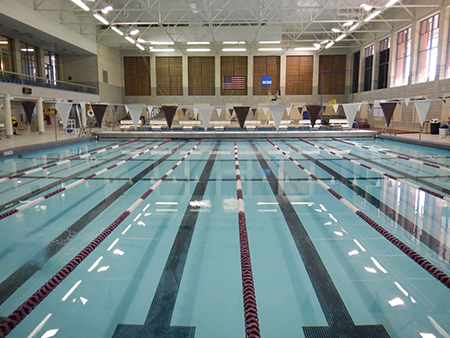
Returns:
(434,128)
(443,131)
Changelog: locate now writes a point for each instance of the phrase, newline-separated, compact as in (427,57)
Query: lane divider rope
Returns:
(416,257)
(32,171)
(392,155)
(15,318)
(71,185)
(248,288)
(426,190)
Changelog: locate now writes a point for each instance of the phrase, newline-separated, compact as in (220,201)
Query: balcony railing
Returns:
(35,81)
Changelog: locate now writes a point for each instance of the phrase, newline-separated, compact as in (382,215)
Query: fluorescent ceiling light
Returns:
(107,9)
(134,31)
(390,3)
(325,41)
(140,46)
(140,40)
(306,48)
(162,50)
(130,39)
(270,49)
(340,37)
(234,42)
(158,43)
(366,7)
(117,30)
(317,45)
(81,4)
(198,43)
(198,49)
(331,43)
(269,42)
(356,25)
(371,16)
(101,19)
(349,23)
(4,42)
(234,49)
(27,50)
(336,30)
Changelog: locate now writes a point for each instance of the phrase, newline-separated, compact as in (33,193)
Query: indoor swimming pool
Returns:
(143,238)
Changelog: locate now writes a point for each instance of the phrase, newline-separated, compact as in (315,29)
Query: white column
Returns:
(283,74)
(8,121)
(40,115)
(250,75)
(83,114)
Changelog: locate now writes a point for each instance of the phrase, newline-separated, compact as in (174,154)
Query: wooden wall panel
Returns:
(299,74)
(334,74)
(169,76)
(137,75)
(201,75)
(233,65)
(266,65)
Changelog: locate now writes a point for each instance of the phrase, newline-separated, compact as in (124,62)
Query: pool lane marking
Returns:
(248,288)
(24,272)
(340,322)
(31,303)
(32,171)
(159,316)
(74,184)
(392,155)
(416,257)
(423,236)
(415,186)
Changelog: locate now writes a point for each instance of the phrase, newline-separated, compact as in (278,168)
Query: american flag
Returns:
(235,82)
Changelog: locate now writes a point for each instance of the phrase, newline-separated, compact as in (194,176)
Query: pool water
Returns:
(172,267)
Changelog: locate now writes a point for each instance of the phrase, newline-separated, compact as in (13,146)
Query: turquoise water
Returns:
(173,265)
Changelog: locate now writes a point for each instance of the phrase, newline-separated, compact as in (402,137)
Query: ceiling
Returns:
(171,24)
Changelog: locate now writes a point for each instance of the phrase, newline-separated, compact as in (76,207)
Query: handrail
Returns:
(24,79)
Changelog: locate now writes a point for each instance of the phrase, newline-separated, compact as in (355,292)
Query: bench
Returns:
(251,125)
(307,123)
(283,124)
(156,125)
(189,124)
(219,125)
(128,124)
(342,123)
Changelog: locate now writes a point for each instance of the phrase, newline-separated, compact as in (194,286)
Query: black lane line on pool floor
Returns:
(426,238)
(59,181)
(157,322)
(340,323)
(23,273)
(422,179)
(51,160)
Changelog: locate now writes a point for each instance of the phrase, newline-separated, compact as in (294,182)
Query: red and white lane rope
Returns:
(423,262)
(71,185)
(392,155)
(436,194)
(248,288)
(32,171)
(31,303)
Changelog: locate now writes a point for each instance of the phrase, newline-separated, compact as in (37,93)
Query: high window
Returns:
(5,54)
(403,59)
(28,56)
(383,68)
(51,66)
(428,49)
(368,64)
